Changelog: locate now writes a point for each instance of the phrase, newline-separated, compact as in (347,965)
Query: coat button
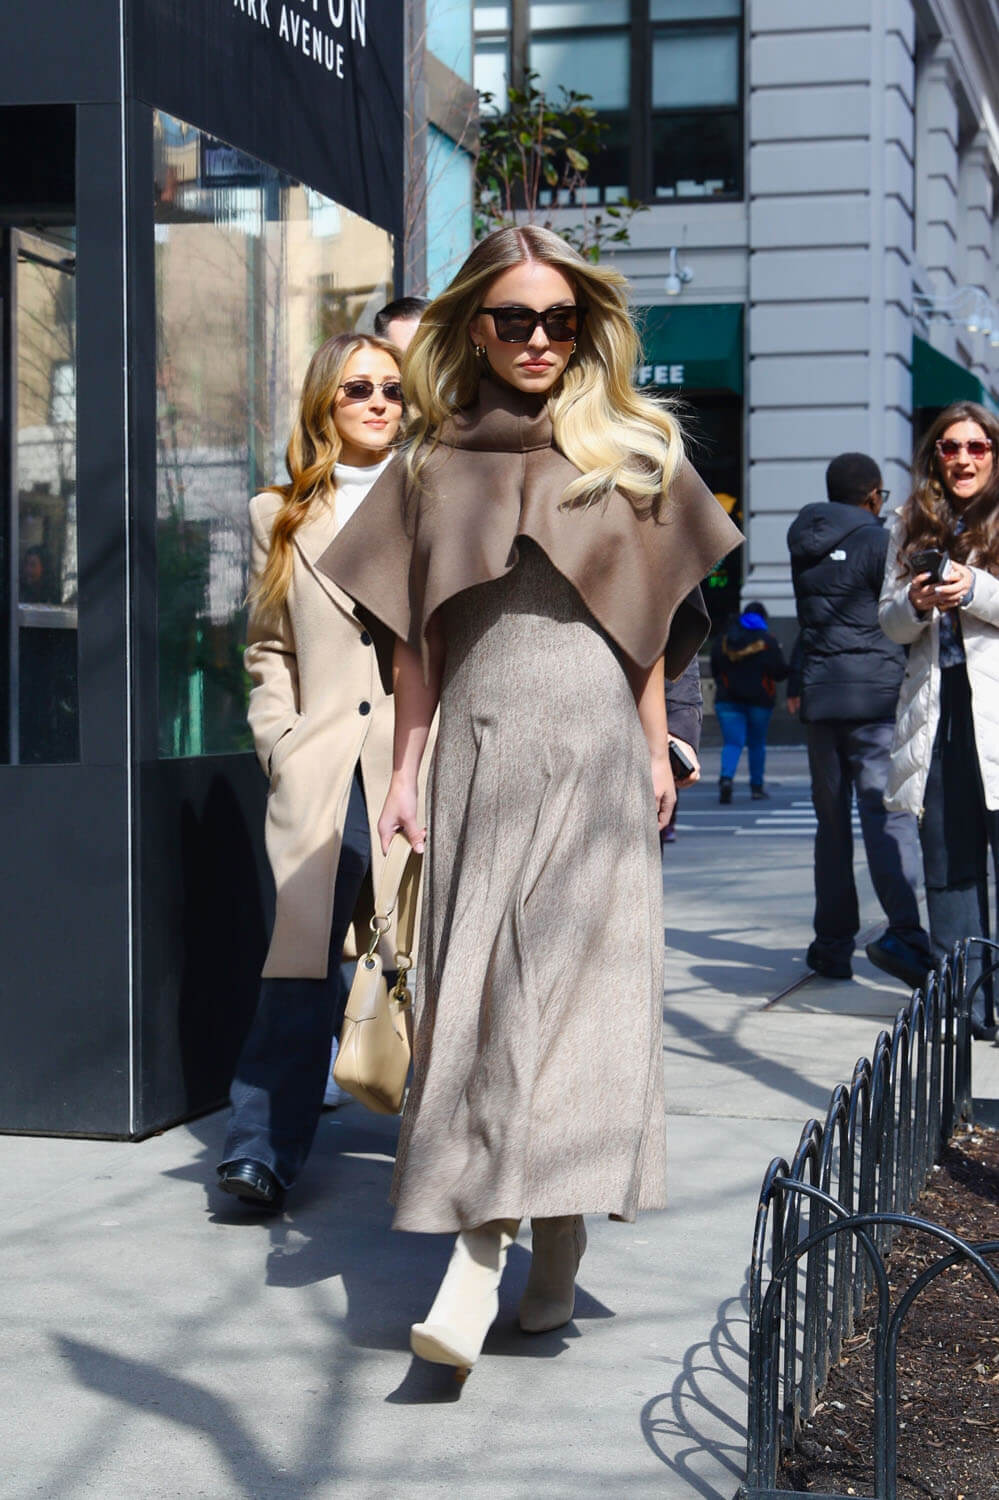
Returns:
(365,638)
(364,708)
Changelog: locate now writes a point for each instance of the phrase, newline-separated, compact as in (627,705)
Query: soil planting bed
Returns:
(948,1358)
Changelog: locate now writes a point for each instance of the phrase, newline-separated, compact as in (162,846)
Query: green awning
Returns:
(691,347)
(937,380)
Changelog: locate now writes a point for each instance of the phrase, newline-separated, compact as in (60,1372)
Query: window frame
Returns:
(642,31)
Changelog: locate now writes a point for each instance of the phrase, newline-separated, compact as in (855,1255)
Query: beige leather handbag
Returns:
(373,1058)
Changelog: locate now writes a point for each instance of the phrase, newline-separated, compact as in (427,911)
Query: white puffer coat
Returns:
(919,696)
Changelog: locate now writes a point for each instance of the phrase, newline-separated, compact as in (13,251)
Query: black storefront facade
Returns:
(195,193)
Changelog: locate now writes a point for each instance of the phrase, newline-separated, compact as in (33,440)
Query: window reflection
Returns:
(253,271)
(44,669)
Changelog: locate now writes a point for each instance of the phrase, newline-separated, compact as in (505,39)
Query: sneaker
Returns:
(334,1095)
(829,968)
(725,789)
(892,955)
(758,794)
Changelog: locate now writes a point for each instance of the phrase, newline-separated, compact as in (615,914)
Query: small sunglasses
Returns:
(948,448)
(362,389)
(516,325)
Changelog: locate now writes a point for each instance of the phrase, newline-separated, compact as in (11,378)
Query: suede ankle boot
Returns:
(466,1305)
(550,1295)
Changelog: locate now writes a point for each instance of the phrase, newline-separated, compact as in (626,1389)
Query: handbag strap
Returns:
(398,888)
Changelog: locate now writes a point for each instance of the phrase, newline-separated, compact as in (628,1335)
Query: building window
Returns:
(665,75)
(491,68)
(696,99)
(585,45)
(253,271)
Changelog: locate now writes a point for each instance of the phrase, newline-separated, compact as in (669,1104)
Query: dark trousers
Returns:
(847,756)
(277,1093)
(957,830)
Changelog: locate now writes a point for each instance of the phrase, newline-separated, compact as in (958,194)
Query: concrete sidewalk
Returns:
(162,1341)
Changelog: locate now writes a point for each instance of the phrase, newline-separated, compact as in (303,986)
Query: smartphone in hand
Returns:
(931,561)
(679,762)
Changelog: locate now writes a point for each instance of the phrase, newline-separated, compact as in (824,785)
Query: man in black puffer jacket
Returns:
(845,676)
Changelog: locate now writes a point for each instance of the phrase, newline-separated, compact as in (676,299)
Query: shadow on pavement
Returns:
(689,1418)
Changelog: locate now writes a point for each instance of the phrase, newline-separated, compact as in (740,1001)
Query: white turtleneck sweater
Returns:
(352,484)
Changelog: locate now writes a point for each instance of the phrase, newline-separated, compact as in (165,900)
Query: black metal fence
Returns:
(826,1222)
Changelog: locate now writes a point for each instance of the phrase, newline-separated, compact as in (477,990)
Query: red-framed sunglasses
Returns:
(949,448)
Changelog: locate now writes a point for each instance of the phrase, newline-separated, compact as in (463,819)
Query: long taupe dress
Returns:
(538,1086)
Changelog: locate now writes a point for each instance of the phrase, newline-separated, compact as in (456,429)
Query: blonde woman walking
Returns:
(528,563)
(323,729)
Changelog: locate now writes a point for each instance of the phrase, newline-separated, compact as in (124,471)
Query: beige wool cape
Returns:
(538,1078)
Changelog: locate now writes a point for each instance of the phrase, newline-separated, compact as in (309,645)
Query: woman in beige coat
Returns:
(322,727)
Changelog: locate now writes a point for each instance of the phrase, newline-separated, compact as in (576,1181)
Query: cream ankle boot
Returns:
(466,1304)
(550,1295)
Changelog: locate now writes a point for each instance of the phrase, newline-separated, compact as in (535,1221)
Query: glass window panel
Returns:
(491,71)
(607,179)
(491,16)
(697,155)
(552,15)
(595,65)
(694,10)
(695,68)
(45,634)
(253,271)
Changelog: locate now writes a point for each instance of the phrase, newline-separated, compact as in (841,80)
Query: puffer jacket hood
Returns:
(849,669)
(823,526)
(747,663)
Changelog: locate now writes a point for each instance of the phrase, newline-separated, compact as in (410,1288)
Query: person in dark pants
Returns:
(277,1093)
(747,663)
(845,676)
(941,599)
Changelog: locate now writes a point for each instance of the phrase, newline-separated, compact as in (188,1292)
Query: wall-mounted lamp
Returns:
(677,276)
(965,306)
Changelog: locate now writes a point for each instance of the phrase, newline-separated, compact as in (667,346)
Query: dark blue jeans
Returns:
(847,756)
(277,1093)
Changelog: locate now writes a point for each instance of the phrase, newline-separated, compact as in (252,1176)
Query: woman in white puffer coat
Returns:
(945,756)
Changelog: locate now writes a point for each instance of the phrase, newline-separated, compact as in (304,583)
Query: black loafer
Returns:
(828,968)
(251,1182)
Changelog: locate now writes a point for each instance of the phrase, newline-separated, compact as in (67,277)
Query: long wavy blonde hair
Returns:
(615,436)
(313,451)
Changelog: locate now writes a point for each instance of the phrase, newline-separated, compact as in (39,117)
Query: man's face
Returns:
(401,330)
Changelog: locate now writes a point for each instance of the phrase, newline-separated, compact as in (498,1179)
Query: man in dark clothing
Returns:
(845,676)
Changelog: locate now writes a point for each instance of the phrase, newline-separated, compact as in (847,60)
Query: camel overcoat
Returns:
(317,707)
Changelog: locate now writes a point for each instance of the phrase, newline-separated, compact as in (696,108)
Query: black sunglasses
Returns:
(516,325)
(362,389)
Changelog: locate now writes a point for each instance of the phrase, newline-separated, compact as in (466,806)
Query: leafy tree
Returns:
(533,162)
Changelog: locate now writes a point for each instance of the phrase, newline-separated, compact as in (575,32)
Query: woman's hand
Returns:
(399,815)
(663,787)
(959,581)
(925,596)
